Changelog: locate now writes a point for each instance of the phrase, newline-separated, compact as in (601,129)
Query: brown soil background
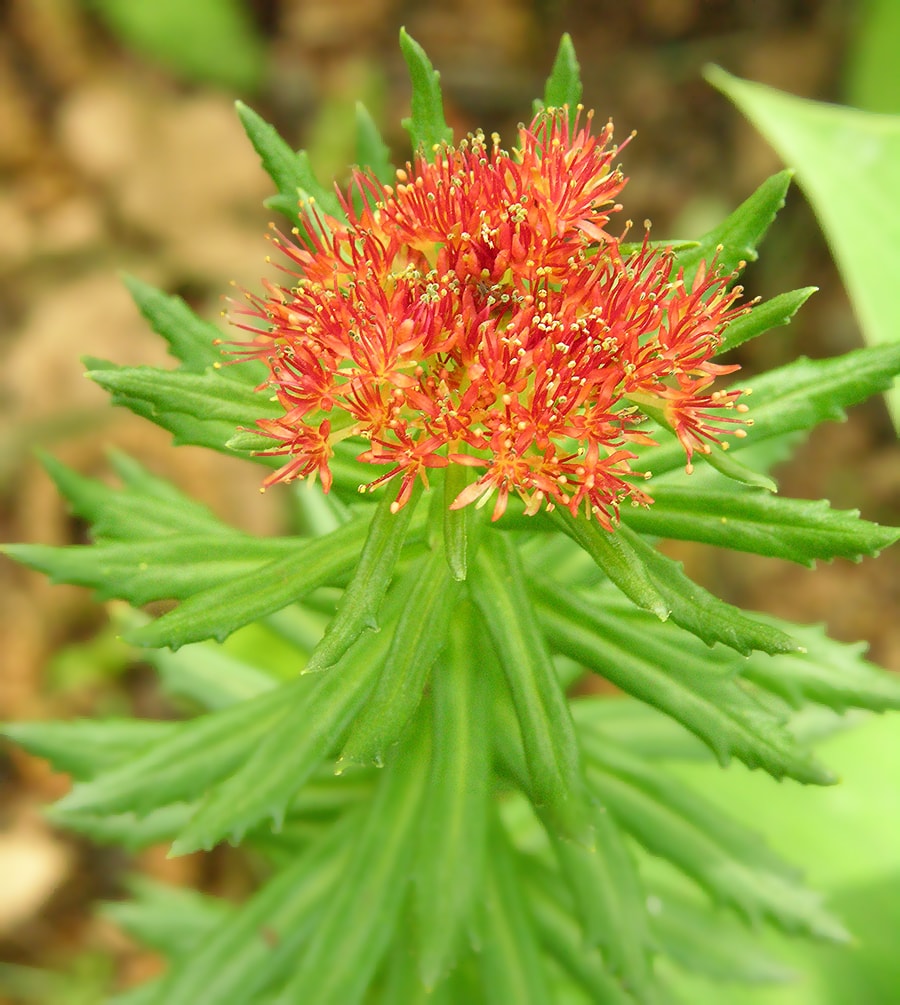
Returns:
(110,162)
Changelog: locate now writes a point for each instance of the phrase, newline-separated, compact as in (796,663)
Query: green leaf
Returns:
(291,172)
(764,317)
(206,40)
(510,959)
(617,559)
(371,150)
(711,944)
(726,464)
(85,747)
(191,340)
(341,958)
(130,831)
(426,126)
(358,609)
(726,859)
(198,409)
(450,858)
(846,163)
(421,634)
(740,233)
(548,735)
(798,397)
(313,724)
(563,87)
(668,669)
(830,673)
(194,756)
(796,529)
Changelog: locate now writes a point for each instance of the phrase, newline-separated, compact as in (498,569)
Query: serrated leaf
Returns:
(191,340)
(724,858)
(371,150)
(741,232)
(711,944)
(797,397)
(829,673)
(257,946)
(421,634)
(198,409)
(196,754)
(289,170)
(548,736)
(764,317)
(450,858)
(510,960)
(85,747)
(563,87)
(312,727)
(796,529)
(667,668)
(426,126)
(130,831)
(341,958)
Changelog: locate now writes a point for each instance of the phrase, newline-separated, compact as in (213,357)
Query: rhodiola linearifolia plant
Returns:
(482,371)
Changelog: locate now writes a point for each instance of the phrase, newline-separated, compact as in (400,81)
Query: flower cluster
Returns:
(480,313)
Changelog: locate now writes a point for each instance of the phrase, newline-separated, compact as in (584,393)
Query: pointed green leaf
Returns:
(548,736)
(126,830)
(450,858)
(764,317)
(358,609)
(421,634)
(739,234)
(426,126)
(371,150)
(291,172)
(796,529)
(670,670)
(458,524)
(563,86)
(727,860)
(510,959)
(343,955)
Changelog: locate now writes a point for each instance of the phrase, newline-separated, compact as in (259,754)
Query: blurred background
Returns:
(120,150)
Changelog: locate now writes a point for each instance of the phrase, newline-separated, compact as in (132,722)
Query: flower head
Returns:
(480,313)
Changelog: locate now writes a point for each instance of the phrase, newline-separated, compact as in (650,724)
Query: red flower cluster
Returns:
(479,313)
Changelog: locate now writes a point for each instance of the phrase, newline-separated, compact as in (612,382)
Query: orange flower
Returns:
(480,313)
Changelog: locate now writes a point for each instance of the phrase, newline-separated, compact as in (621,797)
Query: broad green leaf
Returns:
(342,957)
(196,754)
(426,126)
(257,945)
(727,860)
(168,919)
(291,172)
(797,397)
(84,748)
(764,317)
(614,555)
(547,732)
(710,943)
(312,727)
(829,673)
(219,610)
(450,858)
(191,340)
(846,163)
(670,670)
(358,608)
(870,73)
(739,234)
(563,87)
(509,959)
(421,634)
(372,152)
(756,521)
(198,409)
(215,41)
